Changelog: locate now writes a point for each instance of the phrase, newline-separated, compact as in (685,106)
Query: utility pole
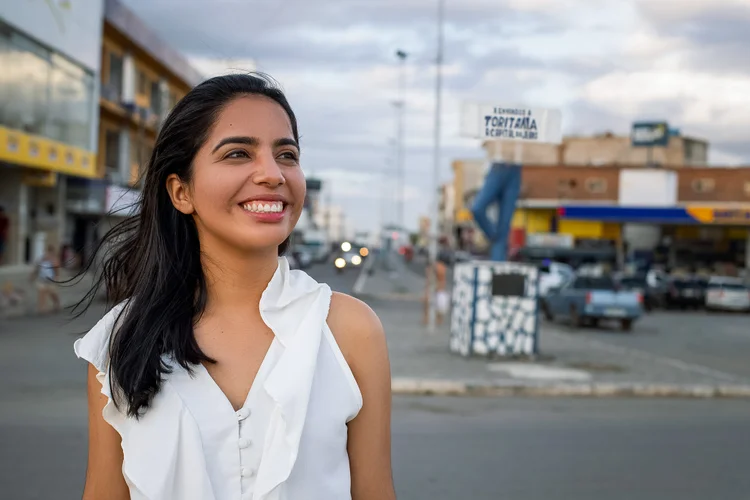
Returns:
(436,165)
(400,107)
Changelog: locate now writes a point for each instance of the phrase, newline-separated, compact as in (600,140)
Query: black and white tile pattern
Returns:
(484,324)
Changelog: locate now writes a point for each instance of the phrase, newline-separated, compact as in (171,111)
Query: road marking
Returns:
(539,372)
(359,285)
(665,360)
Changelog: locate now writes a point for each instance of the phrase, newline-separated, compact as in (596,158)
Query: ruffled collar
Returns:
(295,307)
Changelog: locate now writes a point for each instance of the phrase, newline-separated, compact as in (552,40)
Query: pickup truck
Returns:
(589,300)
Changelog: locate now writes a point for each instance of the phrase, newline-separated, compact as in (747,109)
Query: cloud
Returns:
(603,62)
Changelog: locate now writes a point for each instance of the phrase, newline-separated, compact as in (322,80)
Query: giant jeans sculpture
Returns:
(502,185)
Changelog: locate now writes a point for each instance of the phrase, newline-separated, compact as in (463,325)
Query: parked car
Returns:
(685,292)
(727,294)
(591,299)
(652,296)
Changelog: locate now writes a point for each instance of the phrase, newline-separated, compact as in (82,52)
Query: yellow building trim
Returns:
(533,220)
(582,228)
(737,233)
(39,178)
(45,154)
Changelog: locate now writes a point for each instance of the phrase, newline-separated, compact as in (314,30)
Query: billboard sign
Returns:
(511,123)
(650,134)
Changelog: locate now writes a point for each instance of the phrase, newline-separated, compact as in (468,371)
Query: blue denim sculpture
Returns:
(502,186)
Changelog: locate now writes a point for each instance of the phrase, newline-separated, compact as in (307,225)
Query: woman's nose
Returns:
(268,171)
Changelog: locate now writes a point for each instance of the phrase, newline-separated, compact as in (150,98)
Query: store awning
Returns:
(689,214)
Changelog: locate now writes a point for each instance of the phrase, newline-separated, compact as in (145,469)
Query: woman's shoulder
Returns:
(356,328)
(94,346)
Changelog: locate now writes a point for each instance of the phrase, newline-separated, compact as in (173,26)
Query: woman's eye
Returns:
(239,153)
(289,155)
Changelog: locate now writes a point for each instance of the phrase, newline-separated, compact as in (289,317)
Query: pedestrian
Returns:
(220,373)
(437,272)
(4,226)
(46,274)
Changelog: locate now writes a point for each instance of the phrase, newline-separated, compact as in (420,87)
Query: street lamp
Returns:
(432,284)
(400,106)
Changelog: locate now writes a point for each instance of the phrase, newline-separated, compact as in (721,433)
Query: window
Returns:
(594,283)
(596,185)
(747,188)
(155,99)
(705,185)
(142,80)
(113,89)
(45,94)
(112,151)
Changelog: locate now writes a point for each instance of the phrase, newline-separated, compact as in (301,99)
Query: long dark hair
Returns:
(152,260)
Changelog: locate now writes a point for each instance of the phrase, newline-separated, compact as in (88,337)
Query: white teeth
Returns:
(259,207)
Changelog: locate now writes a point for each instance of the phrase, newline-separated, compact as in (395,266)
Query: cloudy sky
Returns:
(603,62)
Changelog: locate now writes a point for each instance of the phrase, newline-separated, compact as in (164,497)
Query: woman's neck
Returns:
(236,282)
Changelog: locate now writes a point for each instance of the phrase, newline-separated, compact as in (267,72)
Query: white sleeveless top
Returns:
(287,442)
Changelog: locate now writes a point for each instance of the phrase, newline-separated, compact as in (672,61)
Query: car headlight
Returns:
(346,246)
(356,260)
(364,252)
(339,263)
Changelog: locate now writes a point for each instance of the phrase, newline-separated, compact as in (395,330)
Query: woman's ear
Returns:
(179,194)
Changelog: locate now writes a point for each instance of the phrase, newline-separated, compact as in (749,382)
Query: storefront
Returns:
(693,236)
(48,117)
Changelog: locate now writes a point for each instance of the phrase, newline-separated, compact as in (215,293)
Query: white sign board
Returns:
(511,123)
(647,188)
(550,240)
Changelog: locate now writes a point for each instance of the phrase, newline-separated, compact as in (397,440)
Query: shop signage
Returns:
(650,134)
(511,123)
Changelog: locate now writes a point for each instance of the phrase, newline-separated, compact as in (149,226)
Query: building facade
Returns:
(141,80)
(49,91)
(606,149)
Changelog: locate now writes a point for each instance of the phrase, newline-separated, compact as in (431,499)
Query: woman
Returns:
(221,374)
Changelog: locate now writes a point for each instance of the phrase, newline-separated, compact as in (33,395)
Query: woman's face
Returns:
(247,188)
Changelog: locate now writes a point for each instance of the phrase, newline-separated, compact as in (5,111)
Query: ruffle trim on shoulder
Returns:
(94,348)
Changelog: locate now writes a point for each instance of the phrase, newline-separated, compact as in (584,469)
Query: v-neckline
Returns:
(258,374)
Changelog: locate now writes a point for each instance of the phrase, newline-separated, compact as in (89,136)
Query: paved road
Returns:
(484,449)
(443,448)
(720,341)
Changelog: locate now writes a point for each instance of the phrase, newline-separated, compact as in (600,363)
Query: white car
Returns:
(727,294)
(554,275)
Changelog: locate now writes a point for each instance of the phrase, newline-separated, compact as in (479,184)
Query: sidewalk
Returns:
(17,277)
(569,365)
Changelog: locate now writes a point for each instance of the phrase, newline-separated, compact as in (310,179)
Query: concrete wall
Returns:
(601,184)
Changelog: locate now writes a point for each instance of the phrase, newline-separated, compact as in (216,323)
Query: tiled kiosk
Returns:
(495,309)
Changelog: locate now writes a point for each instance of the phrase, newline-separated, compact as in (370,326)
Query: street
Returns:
(538,449)
(443,448)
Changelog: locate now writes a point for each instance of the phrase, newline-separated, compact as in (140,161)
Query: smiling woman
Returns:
(220,373)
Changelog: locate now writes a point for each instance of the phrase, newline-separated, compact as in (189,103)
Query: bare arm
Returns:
(104,478)
(360,335)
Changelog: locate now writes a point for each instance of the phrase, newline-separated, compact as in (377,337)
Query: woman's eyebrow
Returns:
(249,141)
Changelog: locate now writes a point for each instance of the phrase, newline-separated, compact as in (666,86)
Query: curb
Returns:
(438,387)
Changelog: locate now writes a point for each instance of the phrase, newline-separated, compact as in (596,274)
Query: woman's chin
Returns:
(263,243)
